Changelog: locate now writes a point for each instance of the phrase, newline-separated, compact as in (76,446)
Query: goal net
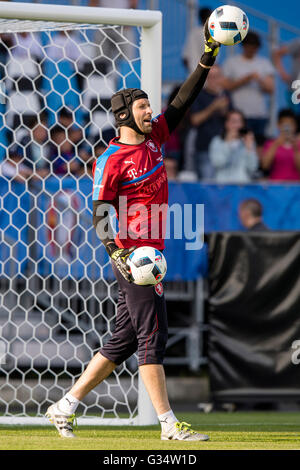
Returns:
(59,67)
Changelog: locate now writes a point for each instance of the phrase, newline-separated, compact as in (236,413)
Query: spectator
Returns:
(13,168)
(65,118)
(249,79)
(207,117)
(88,152)
(194,45)
(233,154)
(62,157)
(251,215)
(281,156)
(74,132)
(171,166)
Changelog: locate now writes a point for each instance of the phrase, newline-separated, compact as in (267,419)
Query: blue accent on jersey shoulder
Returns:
(140,178)
(100,165)
(156,117)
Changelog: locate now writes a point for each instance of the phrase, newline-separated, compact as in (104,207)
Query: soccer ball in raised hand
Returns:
(228,25)
(147,265)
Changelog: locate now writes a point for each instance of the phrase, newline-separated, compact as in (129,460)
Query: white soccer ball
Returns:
(148,266)
(228,25)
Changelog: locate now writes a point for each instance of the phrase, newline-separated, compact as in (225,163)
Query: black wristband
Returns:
(207,59)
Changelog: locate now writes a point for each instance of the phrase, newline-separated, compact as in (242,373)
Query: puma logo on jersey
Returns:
(129,161)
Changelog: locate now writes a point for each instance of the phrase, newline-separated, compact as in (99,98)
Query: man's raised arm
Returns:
(193,84)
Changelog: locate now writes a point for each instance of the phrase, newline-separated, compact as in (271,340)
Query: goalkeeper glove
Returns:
(119,257)
(212,48)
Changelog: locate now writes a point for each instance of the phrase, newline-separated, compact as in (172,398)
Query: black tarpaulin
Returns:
(254,315)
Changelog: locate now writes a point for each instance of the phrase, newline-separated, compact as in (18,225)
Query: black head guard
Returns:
(121,103)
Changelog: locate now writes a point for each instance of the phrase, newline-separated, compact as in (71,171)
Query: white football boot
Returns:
(62,421)
(182,432)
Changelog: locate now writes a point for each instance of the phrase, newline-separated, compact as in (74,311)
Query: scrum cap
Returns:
(121,104)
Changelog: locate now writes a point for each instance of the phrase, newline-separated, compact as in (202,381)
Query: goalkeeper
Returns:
(132,170)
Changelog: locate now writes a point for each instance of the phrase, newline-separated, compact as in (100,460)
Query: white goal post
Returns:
(16,291)
(151,35)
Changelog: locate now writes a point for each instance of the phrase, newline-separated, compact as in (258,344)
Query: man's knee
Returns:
(118,352)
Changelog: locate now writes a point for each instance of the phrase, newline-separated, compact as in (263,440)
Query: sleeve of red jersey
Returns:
(160,130)
(105,179)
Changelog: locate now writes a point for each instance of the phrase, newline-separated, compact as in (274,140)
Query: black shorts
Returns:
(141,324)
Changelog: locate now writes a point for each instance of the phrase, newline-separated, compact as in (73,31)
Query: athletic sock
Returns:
(167,420)
(68,404)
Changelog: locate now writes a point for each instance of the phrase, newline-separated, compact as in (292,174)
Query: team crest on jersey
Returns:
(152,146)
(159,289)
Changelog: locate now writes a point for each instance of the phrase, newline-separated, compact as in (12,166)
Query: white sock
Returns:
(68,404)
(167,420)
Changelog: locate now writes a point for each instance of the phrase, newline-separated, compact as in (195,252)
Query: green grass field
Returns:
(227,431)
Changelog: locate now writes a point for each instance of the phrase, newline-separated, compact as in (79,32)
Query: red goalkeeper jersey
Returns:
(133,178)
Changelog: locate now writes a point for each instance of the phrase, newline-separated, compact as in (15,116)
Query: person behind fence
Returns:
(171,165)
(65,117)
(250,79)
(34,148)
(233,153)
(207,118)
(63,159)
(12,168)
(281,156)
(132,169)
(250,213)
(194,42)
